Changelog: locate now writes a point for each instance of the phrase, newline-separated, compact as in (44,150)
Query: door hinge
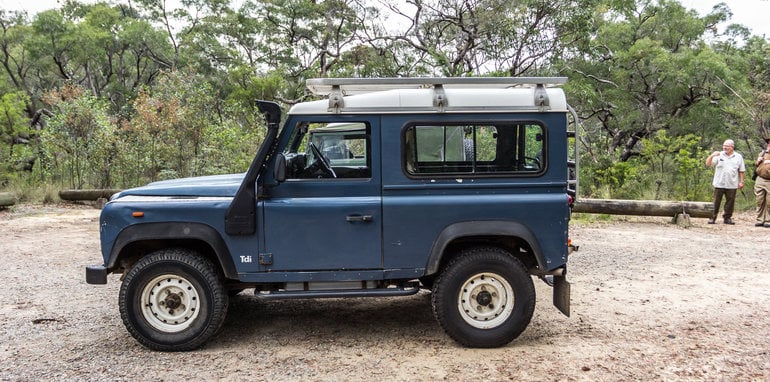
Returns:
(265,259)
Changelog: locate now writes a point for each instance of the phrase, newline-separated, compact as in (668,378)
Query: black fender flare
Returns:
(175,231)
(480,228)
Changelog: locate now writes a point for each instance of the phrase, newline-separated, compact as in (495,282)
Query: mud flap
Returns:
(561,294)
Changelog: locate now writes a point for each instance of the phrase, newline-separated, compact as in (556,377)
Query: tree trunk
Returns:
(643,207)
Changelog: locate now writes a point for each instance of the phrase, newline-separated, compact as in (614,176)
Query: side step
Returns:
(405,290)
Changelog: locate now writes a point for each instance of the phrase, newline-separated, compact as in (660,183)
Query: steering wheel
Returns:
(325,165)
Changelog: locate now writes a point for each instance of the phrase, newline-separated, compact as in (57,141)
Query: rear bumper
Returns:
(96,274)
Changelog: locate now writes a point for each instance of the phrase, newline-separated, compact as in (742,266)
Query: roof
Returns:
(435,95)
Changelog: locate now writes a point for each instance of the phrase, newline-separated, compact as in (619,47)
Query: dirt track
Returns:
(651,301)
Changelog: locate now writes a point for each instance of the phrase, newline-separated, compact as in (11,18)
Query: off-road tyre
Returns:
(173,300)
(484,298)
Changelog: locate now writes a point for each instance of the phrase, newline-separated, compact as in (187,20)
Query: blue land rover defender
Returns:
(462,186)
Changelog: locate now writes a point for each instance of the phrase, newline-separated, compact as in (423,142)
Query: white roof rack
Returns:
(352,86)
(434,94)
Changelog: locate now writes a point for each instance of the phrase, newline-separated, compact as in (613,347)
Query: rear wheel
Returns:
(484,298)
(173,300)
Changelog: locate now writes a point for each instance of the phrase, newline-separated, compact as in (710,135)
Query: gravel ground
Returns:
(650,301)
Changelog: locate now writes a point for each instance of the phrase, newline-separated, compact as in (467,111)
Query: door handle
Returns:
(359,218)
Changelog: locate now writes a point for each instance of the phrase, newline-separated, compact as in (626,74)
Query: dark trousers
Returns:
(729,194)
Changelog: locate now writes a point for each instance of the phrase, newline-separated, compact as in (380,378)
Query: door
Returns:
(327,214)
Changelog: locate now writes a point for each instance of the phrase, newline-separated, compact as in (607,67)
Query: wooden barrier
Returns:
(643,207)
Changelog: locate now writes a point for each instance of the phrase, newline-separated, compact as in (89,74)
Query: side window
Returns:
(467,149)
(329,150)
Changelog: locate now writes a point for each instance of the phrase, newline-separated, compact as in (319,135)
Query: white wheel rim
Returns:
(170,303)
(485,300)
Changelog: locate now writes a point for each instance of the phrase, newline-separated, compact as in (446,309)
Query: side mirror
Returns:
(279,172)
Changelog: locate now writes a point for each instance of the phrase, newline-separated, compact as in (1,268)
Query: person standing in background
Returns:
(762,187)
(729,171)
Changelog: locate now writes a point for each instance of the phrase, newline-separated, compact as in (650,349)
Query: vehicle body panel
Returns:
(314,217)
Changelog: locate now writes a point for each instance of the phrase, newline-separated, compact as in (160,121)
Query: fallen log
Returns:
(7,199)
(643,207)
(74,195)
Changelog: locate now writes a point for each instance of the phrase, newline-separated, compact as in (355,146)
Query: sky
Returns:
(751,13)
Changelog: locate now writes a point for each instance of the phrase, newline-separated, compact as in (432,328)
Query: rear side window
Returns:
(462,149)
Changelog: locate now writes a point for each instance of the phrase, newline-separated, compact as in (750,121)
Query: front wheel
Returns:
(173,300)
(484,298)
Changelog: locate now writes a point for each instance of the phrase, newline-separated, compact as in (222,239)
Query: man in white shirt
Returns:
(728,178)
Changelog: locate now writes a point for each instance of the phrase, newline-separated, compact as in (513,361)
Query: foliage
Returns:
(464,37)
(677,163)
(613,179)
(15,132)
(668,168)
(181,130)
(79,141)
(645,73)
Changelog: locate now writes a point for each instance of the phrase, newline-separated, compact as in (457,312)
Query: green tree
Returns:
(16,154)
(19,68)
(676,165)
(646,70)
(464,37)
(79,141)
(748,107)
(178,132)
(103,49)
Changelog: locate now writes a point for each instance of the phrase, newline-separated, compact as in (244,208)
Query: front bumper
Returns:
(96,274)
